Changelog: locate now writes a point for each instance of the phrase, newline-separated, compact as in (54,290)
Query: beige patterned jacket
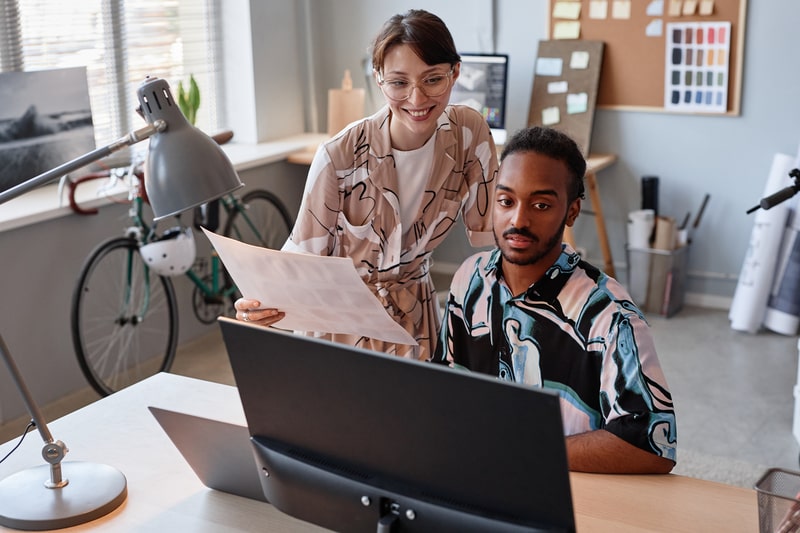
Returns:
(350,209)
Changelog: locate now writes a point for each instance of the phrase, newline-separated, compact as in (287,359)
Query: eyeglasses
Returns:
(400,89)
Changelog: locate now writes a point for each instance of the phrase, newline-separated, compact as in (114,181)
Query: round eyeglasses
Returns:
(400,89)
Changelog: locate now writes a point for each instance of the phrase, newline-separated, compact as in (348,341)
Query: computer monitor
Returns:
(483,85)
(355,440)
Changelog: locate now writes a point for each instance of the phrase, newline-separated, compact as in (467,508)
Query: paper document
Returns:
(317,293)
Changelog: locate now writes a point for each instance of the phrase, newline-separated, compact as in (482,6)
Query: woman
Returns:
(387,189)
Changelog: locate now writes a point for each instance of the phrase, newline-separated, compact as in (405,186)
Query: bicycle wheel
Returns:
(124,318)
(261,219)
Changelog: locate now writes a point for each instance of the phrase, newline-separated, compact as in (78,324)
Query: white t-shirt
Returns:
(413,172)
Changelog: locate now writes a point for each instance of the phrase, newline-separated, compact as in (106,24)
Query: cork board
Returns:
(635,64)
(565,83)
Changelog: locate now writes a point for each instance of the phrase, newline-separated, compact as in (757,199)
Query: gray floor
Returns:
(733,393)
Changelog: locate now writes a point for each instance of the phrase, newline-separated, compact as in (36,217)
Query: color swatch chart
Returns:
(697,66)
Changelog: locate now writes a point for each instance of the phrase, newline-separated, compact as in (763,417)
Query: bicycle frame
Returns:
(125,314)
(211,284)
(144,233)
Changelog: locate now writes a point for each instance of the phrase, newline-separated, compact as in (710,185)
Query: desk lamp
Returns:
(184,168)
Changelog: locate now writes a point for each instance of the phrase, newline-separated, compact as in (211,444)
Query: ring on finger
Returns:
(245,317)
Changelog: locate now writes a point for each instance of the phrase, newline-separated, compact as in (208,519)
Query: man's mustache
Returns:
(520,231)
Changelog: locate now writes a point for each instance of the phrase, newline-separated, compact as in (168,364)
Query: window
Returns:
(120,42)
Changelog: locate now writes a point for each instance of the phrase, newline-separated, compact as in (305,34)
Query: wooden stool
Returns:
(595,163)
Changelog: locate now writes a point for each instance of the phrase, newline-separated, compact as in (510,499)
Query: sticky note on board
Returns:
(566,29)
(557,87)
(567,10)
(675,8)
(598,9)
(579,60)
(655,28)
(706,7)
(549,66)
(689,7)
(655,8)
(577,103)
(621,9)
(550,116)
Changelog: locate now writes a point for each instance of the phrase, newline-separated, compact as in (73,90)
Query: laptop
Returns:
(348,437)
(220,453)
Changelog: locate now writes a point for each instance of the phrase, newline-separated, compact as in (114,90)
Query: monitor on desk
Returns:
(355,440)
(483,85)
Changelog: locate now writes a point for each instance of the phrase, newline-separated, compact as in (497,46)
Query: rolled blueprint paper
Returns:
(783,307)
(755,279)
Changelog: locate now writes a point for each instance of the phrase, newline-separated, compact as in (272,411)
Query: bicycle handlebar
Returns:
(103,174)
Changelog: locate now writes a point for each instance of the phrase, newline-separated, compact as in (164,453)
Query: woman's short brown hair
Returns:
(424,32)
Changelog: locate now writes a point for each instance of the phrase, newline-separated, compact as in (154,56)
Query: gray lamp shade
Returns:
(185,167)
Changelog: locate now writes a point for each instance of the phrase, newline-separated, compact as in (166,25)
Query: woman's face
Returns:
(413,119)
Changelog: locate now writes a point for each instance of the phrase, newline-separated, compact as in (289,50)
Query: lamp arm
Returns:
(54,451)
(33,409)
(81,161)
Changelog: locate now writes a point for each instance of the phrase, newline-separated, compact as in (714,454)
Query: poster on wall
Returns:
(697,66)
(45,121)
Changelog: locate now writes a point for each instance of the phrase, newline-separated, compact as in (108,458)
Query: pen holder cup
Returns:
(778,504)
(657,278)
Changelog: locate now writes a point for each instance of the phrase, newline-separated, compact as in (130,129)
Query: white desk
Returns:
(165,495)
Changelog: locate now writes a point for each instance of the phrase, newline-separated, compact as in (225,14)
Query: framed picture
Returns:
(45,121)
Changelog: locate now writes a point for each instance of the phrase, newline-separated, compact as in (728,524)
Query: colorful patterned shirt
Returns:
(350,208)
(575,331)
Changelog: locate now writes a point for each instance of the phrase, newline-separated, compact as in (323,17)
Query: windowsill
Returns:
(43,203)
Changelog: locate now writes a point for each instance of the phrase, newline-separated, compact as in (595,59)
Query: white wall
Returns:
(264,54)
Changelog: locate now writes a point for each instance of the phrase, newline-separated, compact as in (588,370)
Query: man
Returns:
(531,311)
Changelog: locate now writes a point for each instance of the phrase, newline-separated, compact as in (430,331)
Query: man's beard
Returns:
(554,240)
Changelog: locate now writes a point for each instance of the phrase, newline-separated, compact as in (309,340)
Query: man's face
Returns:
(531,208)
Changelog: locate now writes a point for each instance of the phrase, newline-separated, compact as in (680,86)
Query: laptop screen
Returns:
(483,85)
(346,436)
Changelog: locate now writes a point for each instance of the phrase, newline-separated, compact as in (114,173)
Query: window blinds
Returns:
(120,42)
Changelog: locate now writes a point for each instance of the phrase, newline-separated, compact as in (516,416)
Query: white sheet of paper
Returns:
(317,293)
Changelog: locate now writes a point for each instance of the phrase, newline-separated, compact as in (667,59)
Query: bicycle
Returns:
(124,313)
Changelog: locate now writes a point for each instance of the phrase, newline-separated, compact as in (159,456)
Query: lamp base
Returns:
(93,490)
